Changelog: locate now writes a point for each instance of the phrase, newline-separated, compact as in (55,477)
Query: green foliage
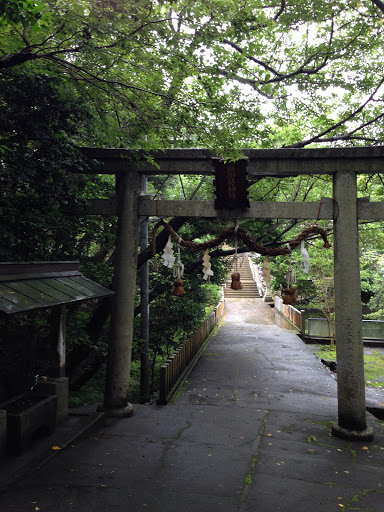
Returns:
(27,13)
(91,393)
(184,314)
(37,188)
(373,364)
(377,315)
(372,265)
(217,73)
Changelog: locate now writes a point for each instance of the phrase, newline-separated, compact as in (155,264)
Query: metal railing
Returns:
(318,328)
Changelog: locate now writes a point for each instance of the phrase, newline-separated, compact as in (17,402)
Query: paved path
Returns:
(249,432)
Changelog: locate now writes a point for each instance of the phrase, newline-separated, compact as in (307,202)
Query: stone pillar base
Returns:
(352,435)
(121,412)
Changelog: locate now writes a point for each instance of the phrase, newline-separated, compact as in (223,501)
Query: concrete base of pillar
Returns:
(122,412)
(352,435)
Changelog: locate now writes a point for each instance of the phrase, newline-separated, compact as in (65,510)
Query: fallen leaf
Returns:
(56,448)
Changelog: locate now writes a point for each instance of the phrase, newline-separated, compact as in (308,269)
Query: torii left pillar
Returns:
(116,403)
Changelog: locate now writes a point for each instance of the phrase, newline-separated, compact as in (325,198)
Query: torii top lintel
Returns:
(261,162)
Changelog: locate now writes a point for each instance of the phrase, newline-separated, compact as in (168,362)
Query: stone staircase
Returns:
(249,290)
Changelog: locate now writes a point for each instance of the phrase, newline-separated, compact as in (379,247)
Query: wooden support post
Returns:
(124,284)
(352,423)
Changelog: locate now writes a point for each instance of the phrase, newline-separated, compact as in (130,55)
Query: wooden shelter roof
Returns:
(29,286)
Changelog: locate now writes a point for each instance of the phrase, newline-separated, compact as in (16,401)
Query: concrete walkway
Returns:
(249,432)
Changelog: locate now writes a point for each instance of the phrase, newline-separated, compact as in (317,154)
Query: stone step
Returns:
(246,289)
(243,282)
(249,288)
(253,291)
(247,275)
(242,276)
(234,295)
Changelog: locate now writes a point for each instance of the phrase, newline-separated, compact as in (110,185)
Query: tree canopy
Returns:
(218,73)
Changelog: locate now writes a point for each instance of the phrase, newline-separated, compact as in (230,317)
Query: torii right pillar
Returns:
(352,418)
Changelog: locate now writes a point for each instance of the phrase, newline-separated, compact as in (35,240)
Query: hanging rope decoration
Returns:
(168,257)
(305,255)
(243,235)
(236,283)
(178,271)
(207,271)
(290,291)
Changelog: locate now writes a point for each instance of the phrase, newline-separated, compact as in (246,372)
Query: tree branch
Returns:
(16,59)
(318,137)
(379,4)
(280,11)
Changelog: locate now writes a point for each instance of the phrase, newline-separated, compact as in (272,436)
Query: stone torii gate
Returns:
(344,209)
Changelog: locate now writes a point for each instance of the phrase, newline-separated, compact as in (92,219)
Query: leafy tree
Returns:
(221,74)
(37,186)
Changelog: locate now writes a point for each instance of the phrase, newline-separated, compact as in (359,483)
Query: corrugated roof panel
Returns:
(49,290)
(87,283)
(76,287)
(27,294)
(18,299)
(7,306)
(24,288)
(64,288)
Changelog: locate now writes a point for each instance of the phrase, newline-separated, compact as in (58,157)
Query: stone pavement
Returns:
(248,432)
